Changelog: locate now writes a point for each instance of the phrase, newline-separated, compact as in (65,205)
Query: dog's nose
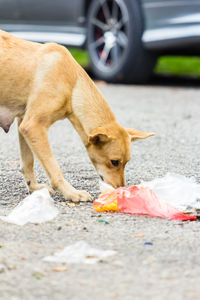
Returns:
(122,183)
(118,185)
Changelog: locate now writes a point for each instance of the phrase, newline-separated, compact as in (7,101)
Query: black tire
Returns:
(115,48)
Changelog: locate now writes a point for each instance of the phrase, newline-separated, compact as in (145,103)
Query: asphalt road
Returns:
(167,269)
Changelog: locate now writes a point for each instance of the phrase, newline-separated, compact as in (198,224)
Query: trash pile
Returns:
(173,197)
(167,197)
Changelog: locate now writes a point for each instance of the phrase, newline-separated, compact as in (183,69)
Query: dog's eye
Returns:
(115,163)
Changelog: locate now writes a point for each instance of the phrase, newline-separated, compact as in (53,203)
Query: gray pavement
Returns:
(167,269)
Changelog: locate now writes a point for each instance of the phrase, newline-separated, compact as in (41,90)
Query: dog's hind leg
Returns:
(27,165)
(35,133)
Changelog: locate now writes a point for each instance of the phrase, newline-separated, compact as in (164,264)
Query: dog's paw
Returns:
(80,196)
(36,187)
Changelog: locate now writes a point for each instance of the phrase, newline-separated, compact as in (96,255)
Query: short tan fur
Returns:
(42,83)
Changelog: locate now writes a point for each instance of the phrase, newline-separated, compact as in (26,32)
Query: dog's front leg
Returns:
(27,165)
(36,137)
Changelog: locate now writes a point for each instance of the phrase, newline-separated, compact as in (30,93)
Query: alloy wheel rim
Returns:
(109,34)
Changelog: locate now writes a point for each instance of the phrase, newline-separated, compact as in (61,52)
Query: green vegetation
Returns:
(168,65)
(178,65)
(80,56)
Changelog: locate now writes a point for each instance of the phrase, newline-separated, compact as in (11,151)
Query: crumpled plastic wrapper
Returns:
(36,208)
(103,186)
(178,190)
(79,252)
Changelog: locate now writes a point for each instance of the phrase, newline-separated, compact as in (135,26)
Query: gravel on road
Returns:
(166,267)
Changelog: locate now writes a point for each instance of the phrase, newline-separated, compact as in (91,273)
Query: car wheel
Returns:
(114,42)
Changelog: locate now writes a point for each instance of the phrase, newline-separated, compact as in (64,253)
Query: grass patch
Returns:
(166,65)
(178,65)
(80,56)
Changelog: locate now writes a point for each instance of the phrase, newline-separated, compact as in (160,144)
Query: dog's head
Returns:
(109,150)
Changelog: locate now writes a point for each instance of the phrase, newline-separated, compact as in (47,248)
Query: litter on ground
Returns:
(159,198)
(35,208)
(148,244)
(79,252)
(178,190)
(103,221)
(103,186)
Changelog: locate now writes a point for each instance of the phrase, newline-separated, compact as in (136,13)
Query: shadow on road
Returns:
(175,81)
(164,80)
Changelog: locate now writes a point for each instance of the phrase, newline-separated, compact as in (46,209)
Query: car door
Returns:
(49,11)
(170,13)
(9,11)
(170,23)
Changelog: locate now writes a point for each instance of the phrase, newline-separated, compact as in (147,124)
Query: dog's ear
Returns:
(137,134)
(99,136)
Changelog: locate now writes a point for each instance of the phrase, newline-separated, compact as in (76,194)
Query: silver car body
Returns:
(171,23)
(168,24)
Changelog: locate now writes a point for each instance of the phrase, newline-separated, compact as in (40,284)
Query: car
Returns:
(123,37)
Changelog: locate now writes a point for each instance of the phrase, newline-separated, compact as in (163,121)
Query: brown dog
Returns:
(42,83)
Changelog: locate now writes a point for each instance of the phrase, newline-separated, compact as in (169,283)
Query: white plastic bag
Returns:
(79,252)
(36,208)
(180,191)
(103,186)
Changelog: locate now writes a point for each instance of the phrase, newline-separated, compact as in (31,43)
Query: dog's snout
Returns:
(120,184)
(115,182)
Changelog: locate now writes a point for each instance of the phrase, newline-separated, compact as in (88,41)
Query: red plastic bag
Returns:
(139,200)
